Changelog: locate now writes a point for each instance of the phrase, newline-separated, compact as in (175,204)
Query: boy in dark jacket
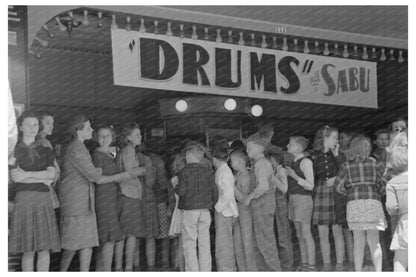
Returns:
(197,195)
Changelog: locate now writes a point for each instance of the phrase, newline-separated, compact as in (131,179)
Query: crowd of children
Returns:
(229,207)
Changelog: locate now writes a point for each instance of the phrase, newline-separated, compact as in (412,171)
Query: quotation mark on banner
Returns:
(131,45)
(307,67)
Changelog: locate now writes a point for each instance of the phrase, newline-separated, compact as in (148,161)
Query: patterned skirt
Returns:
(164,220)
(366,214)
(33,226)
(324,209)
(151,219)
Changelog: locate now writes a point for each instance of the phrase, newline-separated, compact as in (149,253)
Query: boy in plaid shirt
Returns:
(197,194)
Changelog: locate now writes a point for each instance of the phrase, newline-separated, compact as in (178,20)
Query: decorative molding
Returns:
(38,14)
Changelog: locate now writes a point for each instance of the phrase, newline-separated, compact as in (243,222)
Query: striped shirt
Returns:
(363,180)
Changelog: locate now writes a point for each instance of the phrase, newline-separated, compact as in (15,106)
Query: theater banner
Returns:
(170,63)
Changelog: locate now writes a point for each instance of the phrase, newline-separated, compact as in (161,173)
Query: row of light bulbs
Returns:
(337,50)
(229,105)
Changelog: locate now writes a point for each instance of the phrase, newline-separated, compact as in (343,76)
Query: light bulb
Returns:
(365,54)
(50,34)
(169,30)
(206,34)
(85,20)
(383,55)
(306,48)
(71,15)
(345,54)
(230,104)
(142,28)
(241,40)
(392,58)
(100,16)
(373,54)
(400,59)
(230,36)
(355,53)
(326,49)
(316,50)
(253,39)
(114,23)
(296,47)
(256,110)
(181,105)
(285,47)
(181,32)
(69,28)
(128,26)
(274,43)
(218,38)
(194,34)
(263,42)
(337,51)
(62,28)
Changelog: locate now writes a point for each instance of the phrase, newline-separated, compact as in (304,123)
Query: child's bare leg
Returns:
(339,243)
(136,258)
(66,259)
(43,261)
(28,261)
(400,260)
(150,252)
(106,256)
(359,244)
(309,242)
(375,249)
(349,244)
(129,249)
(85,259)
(119,255)
(324,243)
(302,246)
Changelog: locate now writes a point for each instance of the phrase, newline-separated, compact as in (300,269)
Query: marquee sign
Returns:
(171,63)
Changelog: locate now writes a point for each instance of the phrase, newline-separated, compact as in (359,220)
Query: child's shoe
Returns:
(311,268)
(302,267)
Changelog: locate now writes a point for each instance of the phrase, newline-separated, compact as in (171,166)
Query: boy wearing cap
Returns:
(197,194)
(226,212)
(284,232)
(300,186)
(263,204)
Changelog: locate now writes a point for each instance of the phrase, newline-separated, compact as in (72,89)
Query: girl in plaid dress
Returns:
(361,179)
(327,160)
